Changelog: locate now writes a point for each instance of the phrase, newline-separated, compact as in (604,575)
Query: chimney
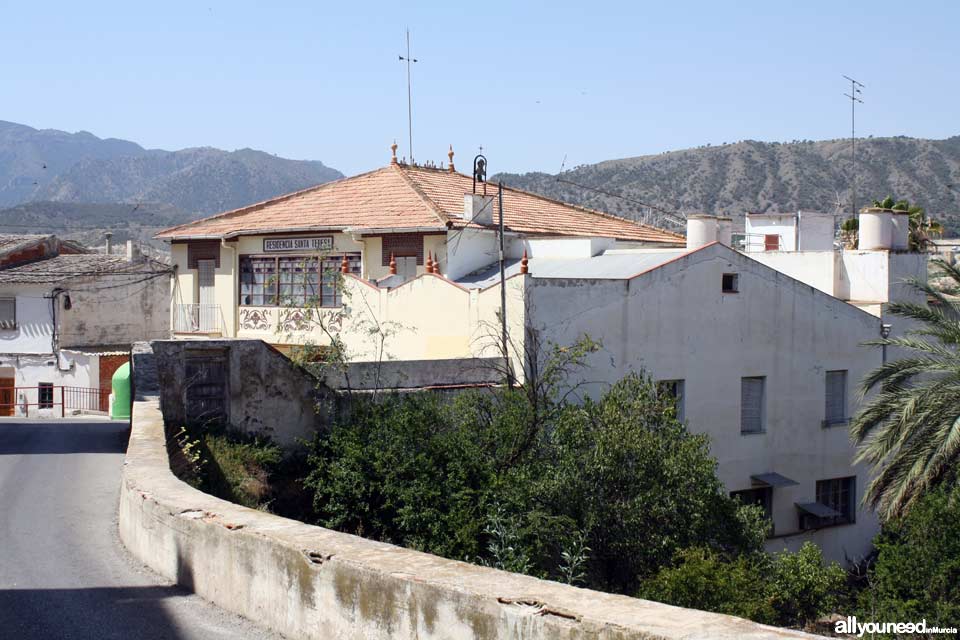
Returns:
(133,252)
(876,229)
(478,208)
(725,230)
(109,238)
(701,230)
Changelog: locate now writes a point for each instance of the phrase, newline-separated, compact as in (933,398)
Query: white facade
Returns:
(800,231)
(677,323)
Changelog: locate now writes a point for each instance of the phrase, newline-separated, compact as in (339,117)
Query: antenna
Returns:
(854,99)
(408,60)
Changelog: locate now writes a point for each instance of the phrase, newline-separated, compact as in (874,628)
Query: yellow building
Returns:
(400,262)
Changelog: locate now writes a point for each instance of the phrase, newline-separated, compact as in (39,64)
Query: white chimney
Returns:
(900,231)
(133,252)
(725,230)
(478,208)
(109,240)
(701,230)
(876,229)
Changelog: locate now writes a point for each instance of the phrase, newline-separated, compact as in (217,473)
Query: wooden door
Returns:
(7,397)
(108,367)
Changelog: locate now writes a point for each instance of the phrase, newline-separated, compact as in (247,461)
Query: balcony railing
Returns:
(196,318)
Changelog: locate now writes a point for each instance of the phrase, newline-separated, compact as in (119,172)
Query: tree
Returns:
(909,431)
(916,574)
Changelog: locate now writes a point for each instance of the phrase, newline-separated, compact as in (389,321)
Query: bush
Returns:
(227,464)
(785,589)
(917,570)
(601,494)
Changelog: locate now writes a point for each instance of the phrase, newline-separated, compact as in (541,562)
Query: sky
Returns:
(533,83)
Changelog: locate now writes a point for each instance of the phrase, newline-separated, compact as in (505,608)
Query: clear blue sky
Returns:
(531,83)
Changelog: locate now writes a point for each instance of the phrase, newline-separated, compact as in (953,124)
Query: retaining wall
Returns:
(309,582)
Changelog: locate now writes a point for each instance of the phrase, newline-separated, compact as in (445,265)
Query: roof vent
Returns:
(478,208)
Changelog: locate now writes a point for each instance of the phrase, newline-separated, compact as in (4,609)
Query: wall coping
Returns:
(305,581)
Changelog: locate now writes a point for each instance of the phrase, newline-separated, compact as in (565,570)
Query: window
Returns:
(762,496)
(8,313)
(258,281)
(752,405)
(674,388)
(731,283)
(295,281)
(838,494)
(45,395)
(836,398)
(771,242)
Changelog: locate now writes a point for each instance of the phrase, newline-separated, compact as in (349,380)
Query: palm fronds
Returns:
(909,429)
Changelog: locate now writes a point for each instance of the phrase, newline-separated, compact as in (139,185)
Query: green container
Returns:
(120,409)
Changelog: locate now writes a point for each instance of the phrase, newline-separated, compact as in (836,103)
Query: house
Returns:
(762,348)
(67,319)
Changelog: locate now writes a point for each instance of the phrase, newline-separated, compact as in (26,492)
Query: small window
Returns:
(731,282)
(45,395)
(752,399)
(8,313)
(762,496)
(836,398)
(674,388)
(771,242)
(838,494)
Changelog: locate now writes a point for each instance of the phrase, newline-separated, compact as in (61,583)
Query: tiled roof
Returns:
(65,267)
(13,242)
(410,197)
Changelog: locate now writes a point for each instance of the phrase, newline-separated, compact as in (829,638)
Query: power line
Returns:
(671,216)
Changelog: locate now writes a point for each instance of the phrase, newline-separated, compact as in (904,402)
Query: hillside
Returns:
(760,176)
(50,165)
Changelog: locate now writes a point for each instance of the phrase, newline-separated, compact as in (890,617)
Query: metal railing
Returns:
(58,399)
(196,318)
(749,242)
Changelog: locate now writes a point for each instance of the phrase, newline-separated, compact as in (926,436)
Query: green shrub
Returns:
(785,589)
(916,574)
(602,493)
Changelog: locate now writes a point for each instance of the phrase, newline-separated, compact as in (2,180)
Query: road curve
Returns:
(63,571)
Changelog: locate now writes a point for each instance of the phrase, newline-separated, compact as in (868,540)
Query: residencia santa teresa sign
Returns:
(319,243)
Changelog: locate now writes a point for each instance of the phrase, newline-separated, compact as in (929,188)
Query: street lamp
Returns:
(885,333)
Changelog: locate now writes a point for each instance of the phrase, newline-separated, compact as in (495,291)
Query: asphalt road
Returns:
(63,571)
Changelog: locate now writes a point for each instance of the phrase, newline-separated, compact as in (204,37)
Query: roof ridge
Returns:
(264,203)
(402,169)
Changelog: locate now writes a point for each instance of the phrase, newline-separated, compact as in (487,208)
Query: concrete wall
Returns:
(676,323)
(115,310)
(783,225)
(309,582)
(266,393)
(34,332)
(28,371)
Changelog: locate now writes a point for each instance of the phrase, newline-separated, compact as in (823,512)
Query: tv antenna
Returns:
(855,87)
(409,60)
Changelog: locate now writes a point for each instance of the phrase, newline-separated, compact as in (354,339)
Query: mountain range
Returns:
(53,178)
(732,179)
(79,185)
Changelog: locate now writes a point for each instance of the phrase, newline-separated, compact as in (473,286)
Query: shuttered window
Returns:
(674,389)
(751,405)
(771,242)
(836,398)
(838,494)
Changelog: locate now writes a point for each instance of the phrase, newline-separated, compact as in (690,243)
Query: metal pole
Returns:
(409,100)
(503,291)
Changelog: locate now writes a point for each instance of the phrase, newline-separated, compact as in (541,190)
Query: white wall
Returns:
(74,370)
(677,324)
(815,268)
(759,225)
(559,247)
(816,231)
(34,331)
(468,250)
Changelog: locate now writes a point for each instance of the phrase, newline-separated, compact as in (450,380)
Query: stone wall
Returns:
(309,582)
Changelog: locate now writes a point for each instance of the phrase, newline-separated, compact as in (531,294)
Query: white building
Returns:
(67,321)
(762,347)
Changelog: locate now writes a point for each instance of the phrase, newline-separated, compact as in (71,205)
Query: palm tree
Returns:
(909,430)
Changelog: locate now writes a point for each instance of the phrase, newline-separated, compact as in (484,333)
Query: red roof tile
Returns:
(403,197)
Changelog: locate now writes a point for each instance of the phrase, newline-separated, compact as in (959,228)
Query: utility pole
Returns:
(503,292)
(854,90)
(408,60)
